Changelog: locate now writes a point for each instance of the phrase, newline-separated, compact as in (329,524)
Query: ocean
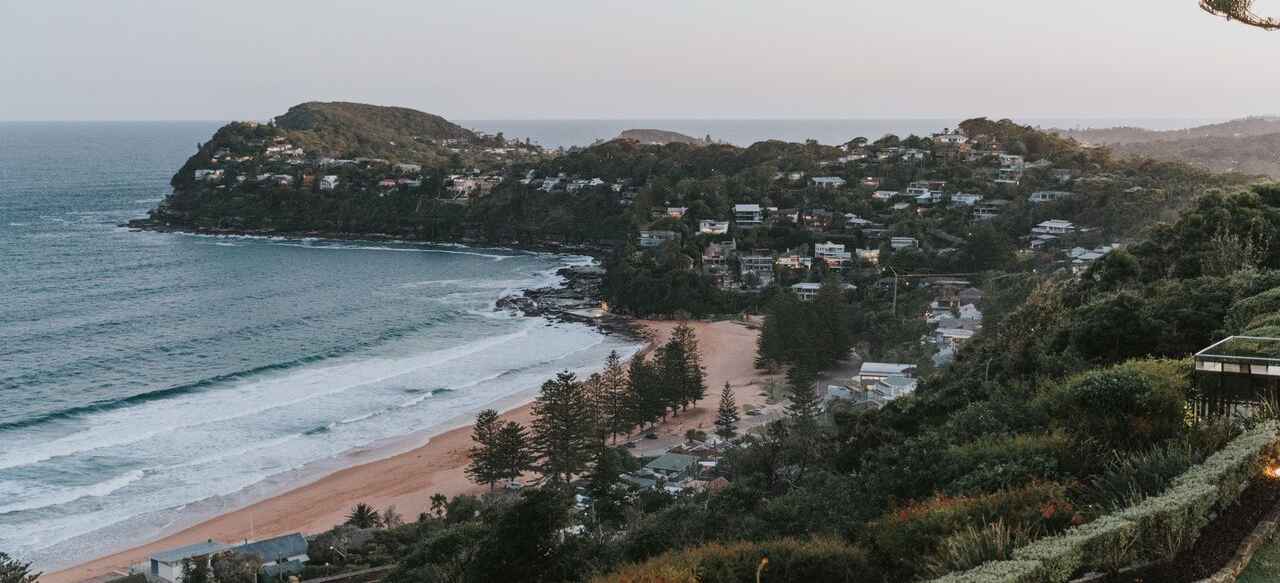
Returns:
(150,380)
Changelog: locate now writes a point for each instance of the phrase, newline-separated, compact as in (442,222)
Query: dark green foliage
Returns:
(15,571)
(727,413)
(483,468)
(1130,406)
(232,567)
(812,335)
(196,570)
(563,433)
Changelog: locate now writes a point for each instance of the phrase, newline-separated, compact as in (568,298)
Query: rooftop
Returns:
(1243,349)
(195,550)
(275,549)
(672,462)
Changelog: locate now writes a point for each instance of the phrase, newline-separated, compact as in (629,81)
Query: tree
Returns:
(438,502)
(673,376)
(230,567)
(727,413)
(364,516)
(14,571)
(392,518)
(803,408)
(563,434)
(196,569)
(606,502)
(644,392)
(483,468)
(1241,11)
(613,391)
(513,456)
(694,386)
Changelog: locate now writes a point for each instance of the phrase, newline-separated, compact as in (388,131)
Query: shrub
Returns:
(1129,477)
(1127,406)
(1244,311)
(903,536)
(997,463)
(972,546)
(798,560)
(1154,529)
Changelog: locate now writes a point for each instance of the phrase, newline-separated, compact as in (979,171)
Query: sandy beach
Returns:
(409,480)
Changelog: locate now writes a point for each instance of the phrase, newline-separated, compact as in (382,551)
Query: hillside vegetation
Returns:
(659,137)
(1249,146)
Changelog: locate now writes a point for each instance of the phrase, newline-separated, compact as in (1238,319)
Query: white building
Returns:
(713,227)
(748,214)
(903,243)
(828,181)
(833,254)
(1054,227)
(872,373)
(966,199)
(1049,196)
(328,182)
(808,291)
(167,565)
(884,194)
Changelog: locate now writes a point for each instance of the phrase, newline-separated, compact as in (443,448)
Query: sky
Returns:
(652,59)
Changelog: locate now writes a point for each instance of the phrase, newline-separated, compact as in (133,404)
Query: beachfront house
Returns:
(280,556)
(748,214)
(166,566)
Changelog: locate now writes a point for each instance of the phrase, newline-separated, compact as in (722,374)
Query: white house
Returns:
(966,199)
(1049,196)
(1054,227)
(833,254)
(884,194)
(207,175)
(808,291)
(828,181)
(971,313)
(713,227)
(328,182)
(167,565)
(748,214)
(950,138)
(903,243)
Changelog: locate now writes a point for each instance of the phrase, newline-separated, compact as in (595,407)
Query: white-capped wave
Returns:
(59,496)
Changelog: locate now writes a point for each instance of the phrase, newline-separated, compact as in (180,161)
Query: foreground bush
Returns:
(1157,528)
(1127,406)
(789,560)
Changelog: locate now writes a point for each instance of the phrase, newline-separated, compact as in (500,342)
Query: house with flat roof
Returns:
(748,214)
(828,181)
(713,227)
(903,243)
(808,291)
(1237,376)
(1054,227)
(1042,196)
(872,373)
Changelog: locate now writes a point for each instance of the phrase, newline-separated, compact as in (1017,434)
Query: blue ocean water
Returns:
(149,380)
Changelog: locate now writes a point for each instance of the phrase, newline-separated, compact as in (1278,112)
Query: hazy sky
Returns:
(233,59)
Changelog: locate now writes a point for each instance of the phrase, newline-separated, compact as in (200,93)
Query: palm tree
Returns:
(364,516)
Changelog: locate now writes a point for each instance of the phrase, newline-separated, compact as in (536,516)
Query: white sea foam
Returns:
(56,496)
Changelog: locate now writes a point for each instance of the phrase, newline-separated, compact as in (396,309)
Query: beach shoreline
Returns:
(408,479)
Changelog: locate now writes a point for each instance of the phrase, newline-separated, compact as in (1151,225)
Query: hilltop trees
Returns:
(613,395)
(484,433)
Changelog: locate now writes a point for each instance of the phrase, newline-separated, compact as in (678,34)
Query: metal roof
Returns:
(195,550)
(275,549)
